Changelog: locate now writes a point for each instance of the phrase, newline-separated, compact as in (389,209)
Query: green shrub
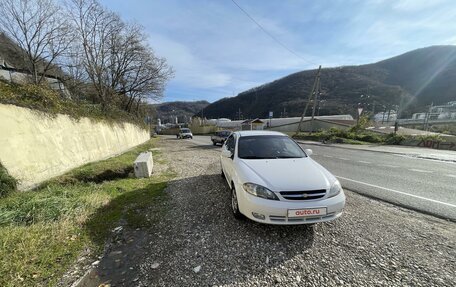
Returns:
(394,139)
(369,137)
(44,99)
(434,138)
(8,184)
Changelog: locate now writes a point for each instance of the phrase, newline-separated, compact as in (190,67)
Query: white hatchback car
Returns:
(273,180)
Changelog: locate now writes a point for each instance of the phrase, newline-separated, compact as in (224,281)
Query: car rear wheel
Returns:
(214,143)
(235,205)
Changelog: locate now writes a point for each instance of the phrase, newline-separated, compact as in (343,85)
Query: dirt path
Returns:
(197,242)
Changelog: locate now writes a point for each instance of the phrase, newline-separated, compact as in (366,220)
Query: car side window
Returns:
(230,144)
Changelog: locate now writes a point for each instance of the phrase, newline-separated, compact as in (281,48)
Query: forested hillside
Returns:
(412,80)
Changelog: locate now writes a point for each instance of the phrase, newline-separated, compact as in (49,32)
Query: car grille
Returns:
(303,195)
(276,218)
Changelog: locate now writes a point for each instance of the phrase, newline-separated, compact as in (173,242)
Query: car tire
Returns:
(235,205)
(214,143)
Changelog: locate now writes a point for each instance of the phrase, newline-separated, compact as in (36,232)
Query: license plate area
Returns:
(307,212)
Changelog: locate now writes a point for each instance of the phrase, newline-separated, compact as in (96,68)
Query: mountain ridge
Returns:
(412,81)
(184,110)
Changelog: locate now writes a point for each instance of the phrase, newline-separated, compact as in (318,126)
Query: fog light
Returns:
(258,216)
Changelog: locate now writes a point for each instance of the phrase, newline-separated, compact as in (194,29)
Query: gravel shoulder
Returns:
(197,242)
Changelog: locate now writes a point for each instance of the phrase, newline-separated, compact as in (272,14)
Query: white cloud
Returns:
(190,70)
(215,49)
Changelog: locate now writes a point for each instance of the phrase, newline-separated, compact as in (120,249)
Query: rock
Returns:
(117,229)
(95,263)
(155,265)
(197,269)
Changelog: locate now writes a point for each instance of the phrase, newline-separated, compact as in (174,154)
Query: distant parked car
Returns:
(220,137)
(273,180)
(185,134)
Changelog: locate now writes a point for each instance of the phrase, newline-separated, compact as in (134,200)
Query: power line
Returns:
(272,36)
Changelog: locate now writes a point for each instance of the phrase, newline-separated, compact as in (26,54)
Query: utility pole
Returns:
(317,93)
(427,117)
(317,76)
(202,116)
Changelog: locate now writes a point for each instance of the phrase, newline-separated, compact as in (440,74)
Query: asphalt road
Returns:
(425,185)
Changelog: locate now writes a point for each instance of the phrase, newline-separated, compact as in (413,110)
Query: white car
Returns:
(273,180)
(185,133)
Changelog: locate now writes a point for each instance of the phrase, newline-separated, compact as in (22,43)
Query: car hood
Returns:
(289,174)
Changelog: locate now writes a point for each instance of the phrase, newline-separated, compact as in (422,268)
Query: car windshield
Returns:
(224,134)
(268,147)
(185,130)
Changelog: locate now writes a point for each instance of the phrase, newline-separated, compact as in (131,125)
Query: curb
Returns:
(84,280)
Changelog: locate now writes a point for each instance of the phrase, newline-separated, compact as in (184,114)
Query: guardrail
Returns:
(422,121)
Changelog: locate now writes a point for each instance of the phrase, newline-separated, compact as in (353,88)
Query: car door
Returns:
(227,163)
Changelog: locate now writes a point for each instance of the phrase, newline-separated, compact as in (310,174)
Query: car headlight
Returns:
(259,191)
(335,189)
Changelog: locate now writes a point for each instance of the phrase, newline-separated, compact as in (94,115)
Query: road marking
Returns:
(451,175)
(343,158)
(420,170)
(397,191)
(362,161)
(389,165)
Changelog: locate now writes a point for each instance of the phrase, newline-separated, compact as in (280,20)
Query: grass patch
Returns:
(8,183)
(352,136)
(44,99)
(43,231)
(355,135)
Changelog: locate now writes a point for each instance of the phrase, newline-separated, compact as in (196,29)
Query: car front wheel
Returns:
(235,205)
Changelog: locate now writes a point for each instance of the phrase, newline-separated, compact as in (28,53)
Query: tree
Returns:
(118,62)
(39,30)
(145,75)
(95,28)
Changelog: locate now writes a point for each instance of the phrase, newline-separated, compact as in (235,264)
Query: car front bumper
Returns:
(276,212)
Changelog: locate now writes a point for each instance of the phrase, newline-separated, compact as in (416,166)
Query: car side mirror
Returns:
(226,153)
(308,151)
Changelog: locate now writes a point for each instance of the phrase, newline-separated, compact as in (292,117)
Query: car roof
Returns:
(259,133)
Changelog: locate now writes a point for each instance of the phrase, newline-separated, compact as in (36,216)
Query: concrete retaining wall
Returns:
(35,147)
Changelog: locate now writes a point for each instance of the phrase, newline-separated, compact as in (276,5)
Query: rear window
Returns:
(268,147)
(185,130)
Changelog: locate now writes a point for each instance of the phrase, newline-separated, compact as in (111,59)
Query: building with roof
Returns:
(291,124)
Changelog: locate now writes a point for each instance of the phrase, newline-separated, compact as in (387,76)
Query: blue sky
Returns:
(216,51)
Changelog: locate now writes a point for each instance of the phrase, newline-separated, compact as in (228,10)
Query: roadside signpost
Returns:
(271,114)
(360,111)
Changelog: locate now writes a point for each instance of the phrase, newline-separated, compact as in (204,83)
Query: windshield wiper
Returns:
(285,156)
(256,157)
